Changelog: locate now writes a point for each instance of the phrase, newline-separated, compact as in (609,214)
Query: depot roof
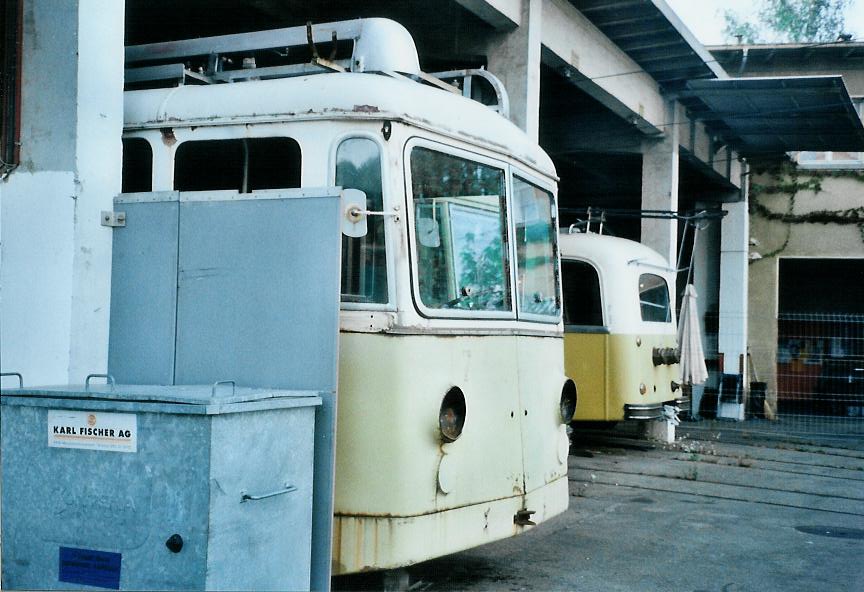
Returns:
(756,116)
(761,116)
(652,35)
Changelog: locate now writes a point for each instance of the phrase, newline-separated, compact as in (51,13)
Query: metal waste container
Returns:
(157,487)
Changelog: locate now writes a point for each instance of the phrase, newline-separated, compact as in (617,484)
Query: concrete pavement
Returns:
(703,515)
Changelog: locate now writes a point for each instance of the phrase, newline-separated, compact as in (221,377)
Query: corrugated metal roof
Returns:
(654,37)
(764,116)
(768,55)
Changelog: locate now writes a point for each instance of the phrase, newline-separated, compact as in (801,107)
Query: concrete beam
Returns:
(660,176)
(514,57)
(501,14)
(567,131)
(599,67)
(571,45)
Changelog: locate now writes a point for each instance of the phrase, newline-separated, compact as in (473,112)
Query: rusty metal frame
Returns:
(10,93)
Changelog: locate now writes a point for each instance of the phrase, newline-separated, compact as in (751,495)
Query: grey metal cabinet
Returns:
(157,487)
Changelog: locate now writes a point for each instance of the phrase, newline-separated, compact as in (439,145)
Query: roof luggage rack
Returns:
(374,45)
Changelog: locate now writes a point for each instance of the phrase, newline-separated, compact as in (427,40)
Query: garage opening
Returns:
(820,341)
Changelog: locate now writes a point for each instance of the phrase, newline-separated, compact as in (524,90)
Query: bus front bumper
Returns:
(651,411)
(370,543)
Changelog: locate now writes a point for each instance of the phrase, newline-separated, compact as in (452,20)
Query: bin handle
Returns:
(108,378)
(18,374)
(218,382)
(245,497)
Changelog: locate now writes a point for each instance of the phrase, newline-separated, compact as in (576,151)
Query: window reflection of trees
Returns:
(535,255)
(461,226)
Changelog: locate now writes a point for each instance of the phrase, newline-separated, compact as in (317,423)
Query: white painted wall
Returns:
(36,275)
(55,257)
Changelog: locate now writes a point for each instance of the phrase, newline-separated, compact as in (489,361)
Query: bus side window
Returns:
(243,165)
(364,262)
(137,172)
(581,288)
(654,299)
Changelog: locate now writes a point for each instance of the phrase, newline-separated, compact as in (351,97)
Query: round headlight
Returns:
(568,401)
(451,417)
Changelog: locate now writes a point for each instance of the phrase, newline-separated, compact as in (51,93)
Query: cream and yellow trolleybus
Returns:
(620,337)
(452,402)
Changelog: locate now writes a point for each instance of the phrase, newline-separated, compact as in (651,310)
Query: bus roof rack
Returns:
(374,45)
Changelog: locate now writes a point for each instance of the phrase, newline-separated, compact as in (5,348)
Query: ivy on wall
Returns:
(787,180)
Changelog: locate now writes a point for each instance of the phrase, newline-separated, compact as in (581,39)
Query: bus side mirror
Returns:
(354,213)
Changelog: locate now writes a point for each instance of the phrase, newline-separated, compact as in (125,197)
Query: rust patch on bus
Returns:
(168,137)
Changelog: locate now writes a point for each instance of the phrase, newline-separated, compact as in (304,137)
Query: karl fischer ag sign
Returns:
(93,430)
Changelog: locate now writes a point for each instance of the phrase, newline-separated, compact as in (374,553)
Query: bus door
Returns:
(540,358)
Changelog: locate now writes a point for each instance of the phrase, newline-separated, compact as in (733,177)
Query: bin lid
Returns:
(199,399)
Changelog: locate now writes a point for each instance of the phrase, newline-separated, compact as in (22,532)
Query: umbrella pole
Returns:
(683,242)
(696,230)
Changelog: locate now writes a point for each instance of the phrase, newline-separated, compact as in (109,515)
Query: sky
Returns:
(704,18)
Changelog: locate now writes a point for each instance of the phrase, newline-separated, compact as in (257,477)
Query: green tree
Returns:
(790,21)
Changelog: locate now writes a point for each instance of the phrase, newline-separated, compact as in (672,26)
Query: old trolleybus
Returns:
(452,397)
(621,344)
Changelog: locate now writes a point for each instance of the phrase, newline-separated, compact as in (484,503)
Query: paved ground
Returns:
(714,513)
(728,508)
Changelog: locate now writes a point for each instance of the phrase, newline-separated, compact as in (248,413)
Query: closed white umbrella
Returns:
(693,370)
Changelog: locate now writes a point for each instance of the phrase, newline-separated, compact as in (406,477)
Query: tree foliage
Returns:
(789,21)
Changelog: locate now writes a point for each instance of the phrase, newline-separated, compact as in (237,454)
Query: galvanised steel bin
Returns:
(157,487)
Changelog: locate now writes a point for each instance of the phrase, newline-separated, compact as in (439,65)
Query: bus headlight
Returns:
(451,417)
(568,401)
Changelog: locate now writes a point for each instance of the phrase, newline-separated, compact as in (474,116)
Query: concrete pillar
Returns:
(706,280)
(514,57)
(660,164)
(55,257)
(734,246)
(706,272)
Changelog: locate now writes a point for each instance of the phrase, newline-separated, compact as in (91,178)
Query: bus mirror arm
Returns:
(358,213)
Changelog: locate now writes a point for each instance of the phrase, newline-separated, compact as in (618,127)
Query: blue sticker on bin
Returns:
(91,568)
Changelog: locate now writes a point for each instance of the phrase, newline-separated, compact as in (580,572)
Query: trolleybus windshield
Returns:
(536,259)
(464,239)
(460,218)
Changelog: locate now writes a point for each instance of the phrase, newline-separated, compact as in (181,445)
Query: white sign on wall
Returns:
(93,430)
